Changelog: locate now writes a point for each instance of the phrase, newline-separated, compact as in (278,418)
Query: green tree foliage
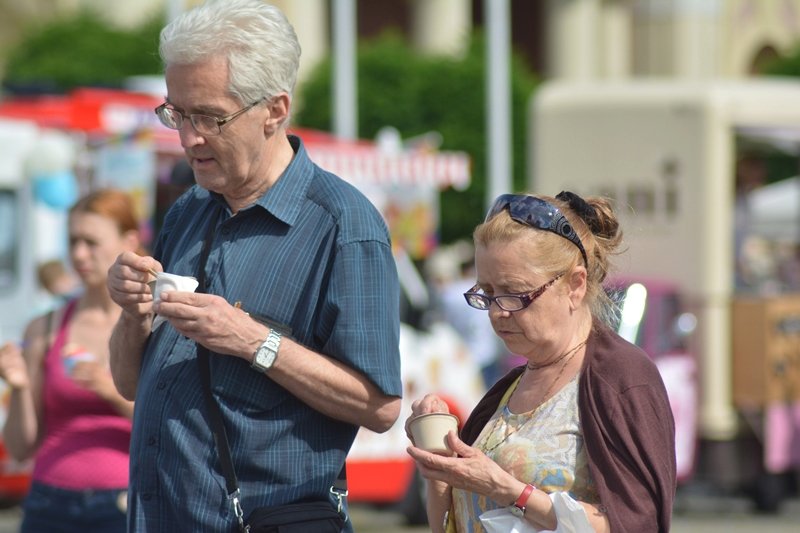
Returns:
(787,65)
(417,94)
(82,50)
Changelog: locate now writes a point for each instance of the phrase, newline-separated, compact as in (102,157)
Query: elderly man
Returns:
(299,303)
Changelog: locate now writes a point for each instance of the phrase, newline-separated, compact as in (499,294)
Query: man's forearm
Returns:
(126,346)
(333,389)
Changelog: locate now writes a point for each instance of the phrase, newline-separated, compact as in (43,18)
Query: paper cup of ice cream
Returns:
(429,431)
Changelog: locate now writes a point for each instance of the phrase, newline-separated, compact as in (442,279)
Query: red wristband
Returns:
(522,501)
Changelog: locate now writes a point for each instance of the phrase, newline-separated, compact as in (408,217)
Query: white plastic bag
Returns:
(570,514)
(502,521)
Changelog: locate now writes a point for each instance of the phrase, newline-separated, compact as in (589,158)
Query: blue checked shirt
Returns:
(312,255)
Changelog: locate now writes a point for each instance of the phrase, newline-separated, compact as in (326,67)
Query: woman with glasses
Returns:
(581,438)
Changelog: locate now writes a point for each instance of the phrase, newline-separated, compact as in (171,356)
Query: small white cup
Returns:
(171,282)
(429,431)
(165,282)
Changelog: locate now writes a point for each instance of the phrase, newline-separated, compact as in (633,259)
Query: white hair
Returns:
(257,40)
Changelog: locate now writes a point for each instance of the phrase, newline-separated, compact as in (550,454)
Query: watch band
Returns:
(522,501)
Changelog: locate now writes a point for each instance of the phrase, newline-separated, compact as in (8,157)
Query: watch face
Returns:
(265,356)
(516,511)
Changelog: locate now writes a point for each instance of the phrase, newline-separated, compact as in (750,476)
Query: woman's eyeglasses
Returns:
(506,302)
(202,124)
(539,214)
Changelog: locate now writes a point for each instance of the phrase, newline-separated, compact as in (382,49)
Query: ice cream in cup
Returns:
(72,354)
(429,431)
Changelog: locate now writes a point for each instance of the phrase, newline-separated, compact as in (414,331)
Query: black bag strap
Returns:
(214,413)
(339,488)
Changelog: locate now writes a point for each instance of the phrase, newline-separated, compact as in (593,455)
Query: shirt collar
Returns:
(286,196)
(284,199)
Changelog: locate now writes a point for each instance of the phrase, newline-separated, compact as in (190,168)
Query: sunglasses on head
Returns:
(538,214)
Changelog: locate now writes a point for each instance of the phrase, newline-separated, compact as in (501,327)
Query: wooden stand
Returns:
(766,350)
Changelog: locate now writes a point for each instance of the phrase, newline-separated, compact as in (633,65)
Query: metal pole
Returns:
(345,90)
(498,99)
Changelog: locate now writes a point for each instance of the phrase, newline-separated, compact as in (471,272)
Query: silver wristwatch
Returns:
(265,355)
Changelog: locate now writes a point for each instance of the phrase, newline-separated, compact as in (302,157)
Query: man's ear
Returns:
(278,107)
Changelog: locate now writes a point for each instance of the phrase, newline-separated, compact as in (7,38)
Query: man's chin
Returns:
(208,180)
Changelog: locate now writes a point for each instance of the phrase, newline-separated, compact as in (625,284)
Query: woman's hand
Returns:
(469,470)
(93,376)
(430,403)
(96,377)
(12,367)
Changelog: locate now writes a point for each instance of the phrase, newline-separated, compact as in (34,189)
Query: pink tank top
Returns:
(86,441)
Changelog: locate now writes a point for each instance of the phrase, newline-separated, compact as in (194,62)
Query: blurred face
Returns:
(234,160)
(94,244)
(539,328)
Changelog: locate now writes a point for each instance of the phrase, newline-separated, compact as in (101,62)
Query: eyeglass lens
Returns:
(173,119)
(506,303)
(169,117)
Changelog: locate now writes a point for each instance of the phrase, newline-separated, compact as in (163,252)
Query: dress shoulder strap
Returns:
(56,333)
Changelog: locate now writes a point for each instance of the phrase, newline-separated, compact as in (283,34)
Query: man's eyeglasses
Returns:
(202,124)
(539,214)
(506,302)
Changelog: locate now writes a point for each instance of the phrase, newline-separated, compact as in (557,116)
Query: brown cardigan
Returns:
(627,426)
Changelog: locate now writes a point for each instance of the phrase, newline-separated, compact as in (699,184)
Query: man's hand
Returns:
(127,283)
(210,320)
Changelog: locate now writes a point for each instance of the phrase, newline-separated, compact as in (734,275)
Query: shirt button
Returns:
(147,496)
(151,441)
(226,231)
(162,385)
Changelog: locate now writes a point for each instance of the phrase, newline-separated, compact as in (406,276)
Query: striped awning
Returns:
(369,165)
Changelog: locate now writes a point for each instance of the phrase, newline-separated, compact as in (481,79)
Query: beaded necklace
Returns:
(566,357)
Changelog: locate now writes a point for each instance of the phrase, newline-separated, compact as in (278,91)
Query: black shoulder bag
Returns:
(303,517)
